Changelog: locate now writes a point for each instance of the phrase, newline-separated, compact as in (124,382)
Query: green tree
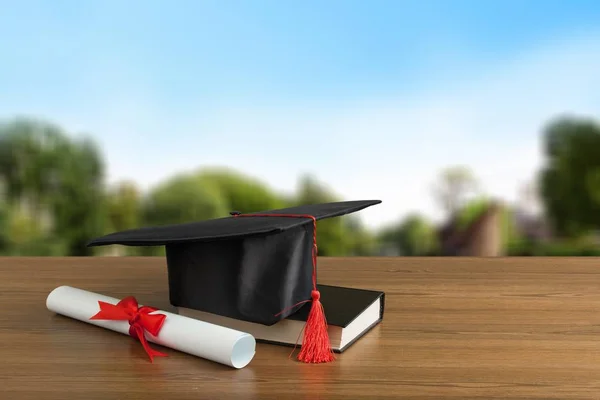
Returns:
(56,177)
(124,204)
(414,236)
(570,182)
(183,198)
(472,210)
(4,219)
(208,193)
(331,233)
(240,192)
(205,194)
(360,240)
(78,197)
(453,188)
(340,236)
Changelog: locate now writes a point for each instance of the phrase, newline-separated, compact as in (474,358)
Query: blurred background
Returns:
(476,123)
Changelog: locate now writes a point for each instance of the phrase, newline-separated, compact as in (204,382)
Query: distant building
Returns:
(481,238)
(533,228)
(484,236)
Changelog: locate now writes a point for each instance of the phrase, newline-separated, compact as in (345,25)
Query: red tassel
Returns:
(316,347)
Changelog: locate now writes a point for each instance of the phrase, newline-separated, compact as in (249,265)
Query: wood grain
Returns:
(497,328)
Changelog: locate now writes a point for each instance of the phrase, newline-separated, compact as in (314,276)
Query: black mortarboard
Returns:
(259,268)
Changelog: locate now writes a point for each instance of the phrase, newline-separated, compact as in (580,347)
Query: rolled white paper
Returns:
(212,342)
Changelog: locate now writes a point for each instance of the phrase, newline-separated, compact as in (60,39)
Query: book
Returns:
(350,314)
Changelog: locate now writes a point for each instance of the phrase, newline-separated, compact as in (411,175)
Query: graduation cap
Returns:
(257,267)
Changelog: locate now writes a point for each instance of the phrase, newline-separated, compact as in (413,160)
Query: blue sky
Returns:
(372,97)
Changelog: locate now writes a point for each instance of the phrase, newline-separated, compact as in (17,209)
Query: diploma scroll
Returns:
(212,342)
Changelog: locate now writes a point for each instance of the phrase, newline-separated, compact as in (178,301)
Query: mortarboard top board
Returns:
(258,267)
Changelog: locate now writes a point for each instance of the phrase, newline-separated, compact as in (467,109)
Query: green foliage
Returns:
(454,185)
(23,234)
(123,207)
(563,248)
(22,228)
(184,198)
(332,235)
(47,247)
(42,167)
(360,241)
(53,200)
(419,236)
(471,211)
(181,199)
(511,236)
(239,192)
(414,236)
(570,183)
(78,196)
(206,194)
(4,224)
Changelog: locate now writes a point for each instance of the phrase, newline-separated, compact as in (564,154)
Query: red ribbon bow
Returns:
(139,319)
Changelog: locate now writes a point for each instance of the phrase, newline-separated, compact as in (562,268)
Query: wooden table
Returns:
(453,329)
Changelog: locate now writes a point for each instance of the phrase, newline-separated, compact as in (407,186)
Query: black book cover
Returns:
(342,306)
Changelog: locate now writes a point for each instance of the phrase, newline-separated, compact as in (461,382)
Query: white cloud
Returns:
(387,148)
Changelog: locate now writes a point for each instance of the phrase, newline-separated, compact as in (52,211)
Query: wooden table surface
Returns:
(505,328)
